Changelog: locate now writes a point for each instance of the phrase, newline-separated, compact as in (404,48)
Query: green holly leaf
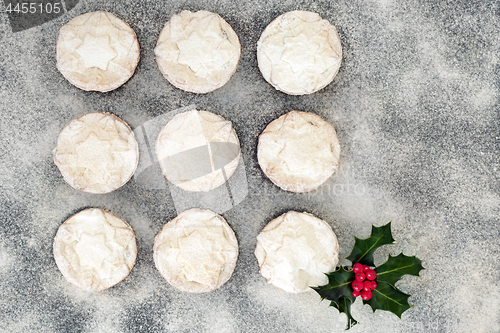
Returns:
(386,297)
(339,292)
(339,285)
(395,267)
(363,249)
(344,306)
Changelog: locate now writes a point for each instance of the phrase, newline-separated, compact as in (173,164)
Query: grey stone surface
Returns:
(416,108)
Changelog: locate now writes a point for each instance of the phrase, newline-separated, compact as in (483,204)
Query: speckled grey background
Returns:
(416,108)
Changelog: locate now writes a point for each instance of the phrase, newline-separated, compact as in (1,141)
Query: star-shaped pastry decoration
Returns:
(296,251)
(194,51)
(94,153)
(96,51)
(294,156)
(299,53)
(297,153)
(92,250)
(195,254)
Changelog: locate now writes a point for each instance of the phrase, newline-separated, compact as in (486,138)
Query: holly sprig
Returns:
(339,290)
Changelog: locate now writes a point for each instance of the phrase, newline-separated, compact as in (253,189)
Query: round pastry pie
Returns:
(299,53)
(298,151)
(197,52)
(96,153)
(97,51)
(198,150)
(196,252)
(95,249)
(295,250)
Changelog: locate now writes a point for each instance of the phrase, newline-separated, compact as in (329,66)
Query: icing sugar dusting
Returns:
(415,107)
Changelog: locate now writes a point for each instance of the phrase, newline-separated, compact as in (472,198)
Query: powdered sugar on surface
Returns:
(415,106)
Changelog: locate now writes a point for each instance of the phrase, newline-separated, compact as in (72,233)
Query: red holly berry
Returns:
(356,293)
(359,276)
(366,268)
(357,268)
(366,295)
(374,285)
(357,285)
(370,274)
(367,285)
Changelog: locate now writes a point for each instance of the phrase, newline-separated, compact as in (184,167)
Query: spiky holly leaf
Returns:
(395,267)
(339,292)
(363,249)
(344,306)
(386,297)
(339,285)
